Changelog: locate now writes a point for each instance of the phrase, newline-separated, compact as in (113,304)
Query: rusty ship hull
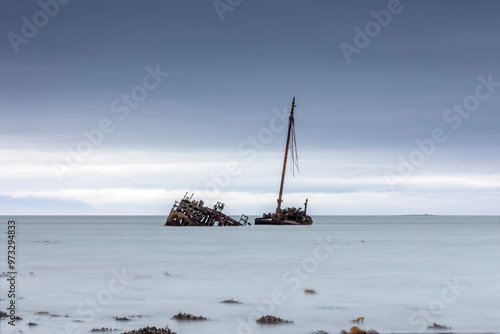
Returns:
(189,212)
(287,216)
(270,221)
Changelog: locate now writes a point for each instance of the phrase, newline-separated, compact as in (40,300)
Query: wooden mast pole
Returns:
(290,122)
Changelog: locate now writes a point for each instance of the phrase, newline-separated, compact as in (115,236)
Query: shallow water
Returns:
(401,273)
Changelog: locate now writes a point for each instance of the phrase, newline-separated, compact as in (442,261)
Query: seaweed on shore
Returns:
(354,330)
(272,320)
(358,320)
(151,330)
(189,317)
(357,330)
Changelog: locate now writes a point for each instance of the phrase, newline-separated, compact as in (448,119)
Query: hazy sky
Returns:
(120,107)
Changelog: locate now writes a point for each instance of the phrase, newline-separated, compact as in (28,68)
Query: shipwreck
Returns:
(287,216)
(189,212)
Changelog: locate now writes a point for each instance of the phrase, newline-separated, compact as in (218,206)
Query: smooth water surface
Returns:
(401,273)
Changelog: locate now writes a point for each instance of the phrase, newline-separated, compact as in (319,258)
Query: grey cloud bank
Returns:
(68,65)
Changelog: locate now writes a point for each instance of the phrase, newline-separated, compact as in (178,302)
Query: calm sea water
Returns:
(402,273)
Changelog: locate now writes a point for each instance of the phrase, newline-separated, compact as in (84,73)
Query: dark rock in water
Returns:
(103,329)
(122,319)
(437,326)
(32,324)
(231,301)
(320,332)
(311,291)
(187,316)
(372,331)
(272,320)
(151,330)
(3,314)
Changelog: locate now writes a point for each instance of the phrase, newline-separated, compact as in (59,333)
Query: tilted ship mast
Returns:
(291,123)
(288,216)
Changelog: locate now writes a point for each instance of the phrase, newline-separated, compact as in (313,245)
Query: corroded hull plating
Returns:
(288,216)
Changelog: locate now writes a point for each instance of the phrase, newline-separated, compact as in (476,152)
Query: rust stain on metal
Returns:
(189,212)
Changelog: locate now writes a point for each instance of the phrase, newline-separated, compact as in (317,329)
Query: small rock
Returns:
(311,291)
(151,330)
(272,320)
(103,329)
(437,326)
(42,313)
(187,316)
(371,331)
(32,324)
(122,319)
(359,320)
(231,301)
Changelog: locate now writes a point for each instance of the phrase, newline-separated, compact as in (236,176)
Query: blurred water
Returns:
(401,273)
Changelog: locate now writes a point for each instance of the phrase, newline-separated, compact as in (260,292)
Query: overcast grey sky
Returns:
(120,107)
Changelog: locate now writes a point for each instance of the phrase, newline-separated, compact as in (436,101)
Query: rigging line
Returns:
(293,147)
